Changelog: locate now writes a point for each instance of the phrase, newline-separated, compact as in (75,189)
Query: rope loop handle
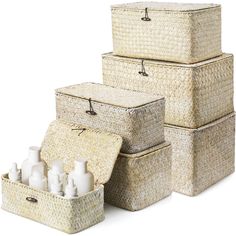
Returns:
(79,129)
(91,110)
(31,199)
(146,17)
(143,71)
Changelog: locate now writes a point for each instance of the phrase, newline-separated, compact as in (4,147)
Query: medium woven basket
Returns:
(139,180)
(201,157)
(185,33)
(137,117)
(67,142)
(195,94)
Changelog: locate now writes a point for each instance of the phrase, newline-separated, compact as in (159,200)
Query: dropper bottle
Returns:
(14,173)
(56,186)
(70,189)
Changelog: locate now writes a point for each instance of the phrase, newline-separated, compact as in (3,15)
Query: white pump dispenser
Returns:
(38,180)
(56,186)
(83,179)
(14,174)
(70,189)
(57,171)
(33,162)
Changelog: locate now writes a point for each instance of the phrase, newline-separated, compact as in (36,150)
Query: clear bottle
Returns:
(56,171)
(38,181)
(83,179)
(33,162)
(70,189)
(14,173)
(56,186)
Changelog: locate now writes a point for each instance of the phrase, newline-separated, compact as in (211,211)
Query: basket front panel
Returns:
(171,36)
(131,124)
(66,215)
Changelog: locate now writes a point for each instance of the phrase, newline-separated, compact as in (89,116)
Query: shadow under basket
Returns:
(67,142)
(141,179)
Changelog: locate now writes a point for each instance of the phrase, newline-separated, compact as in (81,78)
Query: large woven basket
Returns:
(137,117)
(195,94)
(67,142)
(186,33)
(203,156)
(139,180)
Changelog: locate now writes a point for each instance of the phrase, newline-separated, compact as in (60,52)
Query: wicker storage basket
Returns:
(137,117)
(66,142)
(185,33)
(203,156)
(195,94)
(139,180)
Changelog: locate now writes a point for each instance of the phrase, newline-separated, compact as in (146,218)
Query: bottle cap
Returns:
(57,167)
(34,154)
(81,166)
(14,167)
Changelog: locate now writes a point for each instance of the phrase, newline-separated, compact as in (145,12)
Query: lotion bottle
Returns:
(33,162)
(70,189)
(38,181)
(56,186)
(57,171)
(14,173)
(83,179)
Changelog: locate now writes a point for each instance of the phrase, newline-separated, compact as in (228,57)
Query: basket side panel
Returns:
(215,154)
(139,182)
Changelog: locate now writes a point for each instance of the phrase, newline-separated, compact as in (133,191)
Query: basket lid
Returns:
(69,142)
(109,95)
(164,6)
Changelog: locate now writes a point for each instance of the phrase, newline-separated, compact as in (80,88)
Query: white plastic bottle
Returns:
(70,189)
(14,173)
(56,186)
(83,179)
(55,172)
(33,162)
(38,181)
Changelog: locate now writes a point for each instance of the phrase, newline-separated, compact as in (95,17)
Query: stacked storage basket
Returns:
(175,50)
(142,172)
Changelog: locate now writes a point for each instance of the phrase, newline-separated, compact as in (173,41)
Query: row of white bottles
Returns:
(34,173)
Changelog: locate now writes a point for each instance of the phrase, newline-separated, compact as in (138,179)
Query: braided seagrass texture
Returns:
(139,180)
(195,94)
(68,215)
(137,117)
(184,33)
(201,157)
(69,142)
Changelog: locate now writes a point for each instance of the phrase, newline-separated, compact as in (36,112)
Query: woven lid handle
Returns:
(146,17)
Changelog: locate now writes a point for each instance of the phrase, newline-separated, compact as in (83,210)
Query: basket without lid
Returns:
(69,142)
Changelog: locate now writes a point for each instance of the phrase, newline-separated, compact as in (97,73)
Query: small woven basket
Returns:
(185,33)
(195,94)
(201,157)
(139,180)
(67,142)
(137,117)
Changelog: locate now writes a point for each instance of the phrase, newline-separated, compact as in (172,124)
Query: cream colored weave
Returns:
(141,126)
(203,156)
(139,180)
(195,94)
(177,32)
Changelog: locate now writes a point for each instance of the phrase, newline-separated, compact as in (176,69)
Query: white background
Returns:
(48,44)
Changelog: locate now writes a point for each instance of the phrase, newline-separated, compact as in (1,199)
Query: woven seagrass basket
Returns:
(195,94)
(201,157)
(141,179)
(137,117)
(185,33)
(67,142)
